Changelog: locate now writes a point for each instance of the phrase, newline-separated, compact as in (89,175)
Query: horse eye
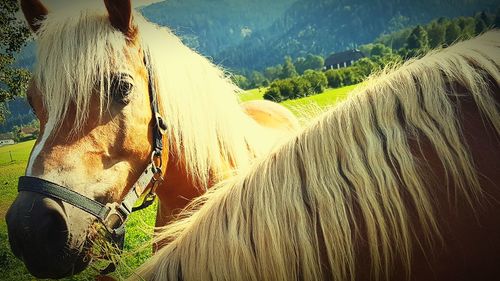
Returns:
(121,87)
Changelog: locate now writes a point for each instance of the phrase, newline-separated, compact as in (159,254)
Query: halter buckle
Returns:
(116,216)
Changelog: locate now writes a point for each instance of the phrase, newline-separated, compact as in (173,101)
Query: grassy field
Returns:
(13,160)
(310,105)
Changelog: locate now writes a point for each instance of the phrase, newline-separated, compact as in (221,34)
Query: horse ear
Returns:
(34,12)
(120,15)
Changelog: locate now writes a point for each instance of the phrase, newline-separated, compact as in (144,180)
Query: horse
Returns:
(117,97)
(398,182)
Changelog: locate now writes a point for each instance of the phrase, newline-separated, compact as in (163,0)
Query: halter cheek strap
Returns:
(113,215)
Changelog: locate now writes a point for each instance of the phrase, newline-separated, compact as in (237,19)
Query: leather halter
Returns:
(113,215)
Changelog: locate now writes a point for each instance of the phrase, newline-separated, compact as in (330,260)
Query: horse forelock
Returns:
(77,52)
(360,176)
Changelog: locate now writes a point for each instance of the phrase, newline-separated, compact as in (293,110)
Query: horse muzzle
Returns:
(39,235)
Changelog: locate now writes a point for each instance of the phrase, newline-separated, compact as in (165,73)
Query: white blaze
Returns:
(49,127)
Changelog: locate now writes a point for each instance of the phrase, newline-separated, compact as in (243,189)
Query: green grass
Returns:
(20,152)
(308,106)
(13,161)
(254,94)
(325,99)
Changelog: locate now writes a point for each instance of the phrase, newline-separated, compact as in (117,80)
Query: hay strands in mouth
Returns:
(102,250)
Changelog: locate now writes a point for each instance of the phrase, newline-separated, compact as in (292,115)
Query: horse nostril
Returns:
(39,234)
(52,232)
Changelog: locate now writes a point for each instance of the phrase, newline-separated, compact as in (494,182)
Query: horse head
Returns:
(99,121)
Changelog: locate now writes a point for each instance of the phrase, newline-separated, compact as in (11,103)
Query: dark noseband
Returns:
(113,215)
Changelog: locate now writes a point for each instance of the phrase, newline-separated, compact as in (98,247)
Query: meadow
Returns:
(13,160)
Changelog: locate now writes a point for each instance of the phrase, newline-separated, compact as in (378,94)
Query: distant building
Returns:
(343,59)
(6,138)
(6,142)
(28,133)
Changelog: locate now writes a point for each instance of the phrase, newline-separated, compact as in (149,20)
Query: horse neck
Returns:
(179,187)
(239,142)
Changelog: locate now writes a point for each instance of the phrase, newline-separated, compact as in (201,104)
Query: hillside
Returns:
(210,26)
(244,35)
(254,34)
(326,26)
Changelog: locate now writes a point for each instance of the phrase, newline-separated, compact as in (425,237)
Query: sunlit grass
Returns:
(19,152)
(307,107)
(327,98)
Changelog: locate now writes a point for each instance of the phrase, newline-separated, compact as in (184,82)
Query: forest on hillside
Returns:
(256,38)
(213,25)
(326,26)
(291,80)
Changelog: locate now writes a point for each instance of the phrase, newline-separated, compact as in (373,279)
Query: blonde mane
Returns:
(207,128)
(273,222)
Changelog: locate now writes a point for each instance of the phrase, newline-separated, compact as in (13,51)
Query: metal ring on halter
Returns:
(154,156)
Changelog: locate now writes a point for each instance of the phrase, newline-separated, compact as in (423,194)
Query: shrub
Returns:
(301,88)
(241,81)
(364,67)
(350,76)
(286,88)
(273,94)
(334,78)
(317,79)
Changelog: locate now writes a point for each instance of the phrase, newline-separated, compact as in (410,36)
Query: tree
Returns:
(485,18)
(383,61)
(13,36)
(366,49)
(309,62)
(442,21)
(257,79)
(300,65)
(364,67)
(496,22)
(403,53)
(317,79)
(395,40)
(241,81)
(273,72)
(334,77)
(468,26)
(398,22)
(350,77)
(288,69)
(287,89)
(418,39)
(452,33)
(480,26)
(380,50)
(315,62)
(436,34)
(301,88)
(273,94)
